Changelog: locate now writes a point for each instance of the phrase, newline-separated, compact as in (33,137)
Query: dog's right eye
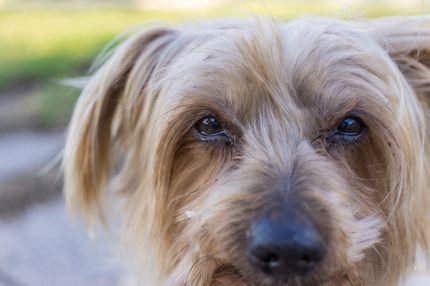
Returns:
(210,128)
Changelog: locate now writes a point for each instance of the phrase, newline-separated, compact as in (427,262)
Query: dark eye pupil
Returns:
(350,126)
(209,125)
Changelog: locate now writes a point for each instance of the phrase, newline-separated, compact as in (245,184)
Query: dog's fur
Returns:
(279,89)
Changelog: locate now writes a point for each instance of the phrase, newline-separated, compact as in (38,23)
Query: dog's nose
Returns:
(284,243)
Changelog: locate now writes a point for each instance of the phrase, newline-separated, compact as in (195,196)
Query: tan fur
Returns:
(279,88)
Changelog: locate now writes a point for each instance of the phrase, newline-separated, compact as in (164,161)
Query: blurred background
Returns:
(41,44)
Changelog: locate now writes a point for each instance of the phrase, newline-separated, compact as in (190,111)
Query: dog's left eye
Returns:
(350,127)
(210,128)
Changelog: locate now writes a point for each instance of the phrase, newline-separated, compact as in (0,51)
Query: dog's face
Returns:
(257,153)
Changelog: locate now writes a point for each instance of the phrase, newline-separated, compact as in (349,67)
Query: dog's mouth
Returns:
(227,275)
(231,275)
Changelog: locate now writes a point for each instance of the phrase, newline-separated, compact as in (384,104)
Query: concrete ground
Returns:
(39,244)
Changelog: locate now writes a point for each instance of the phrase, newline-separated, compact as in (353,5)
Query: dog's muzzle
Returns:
(284,243)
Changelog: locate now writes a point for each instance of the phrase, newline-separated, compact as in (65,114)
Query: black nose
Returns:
(283,243)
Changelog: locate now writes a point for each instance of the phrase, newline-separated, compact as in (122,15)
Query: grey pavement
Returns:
(27,173)
(43,247)
(26,151)
(40,245)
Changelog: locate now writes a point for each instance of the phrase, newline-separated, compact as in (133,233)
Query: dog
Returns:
(255,152)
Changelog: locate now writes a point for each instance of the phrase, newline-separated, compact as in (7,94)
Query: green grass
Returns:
(36,45)
(43,46)
(40,44)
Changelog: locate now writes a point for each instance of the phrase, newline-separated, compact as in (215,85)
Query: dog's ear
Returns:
(407,40)
(87,155)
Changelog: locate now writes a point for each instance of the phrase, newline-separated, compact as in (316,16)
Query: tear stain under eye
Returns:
(319,143)
(224,138)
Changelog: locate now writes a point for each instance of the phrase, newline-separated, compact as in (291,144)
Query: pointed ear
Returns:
(407,40)
(87,154)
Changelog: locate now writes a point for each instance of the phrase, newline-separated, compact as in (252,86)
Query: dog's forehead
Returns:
(287,68)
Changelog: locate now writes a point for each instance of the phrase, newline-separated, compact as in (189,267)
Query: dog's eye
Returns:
(210,128)
(350,126)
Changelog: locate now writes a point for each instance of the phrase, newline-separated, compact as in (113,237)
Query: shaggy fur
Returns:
(279,89)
